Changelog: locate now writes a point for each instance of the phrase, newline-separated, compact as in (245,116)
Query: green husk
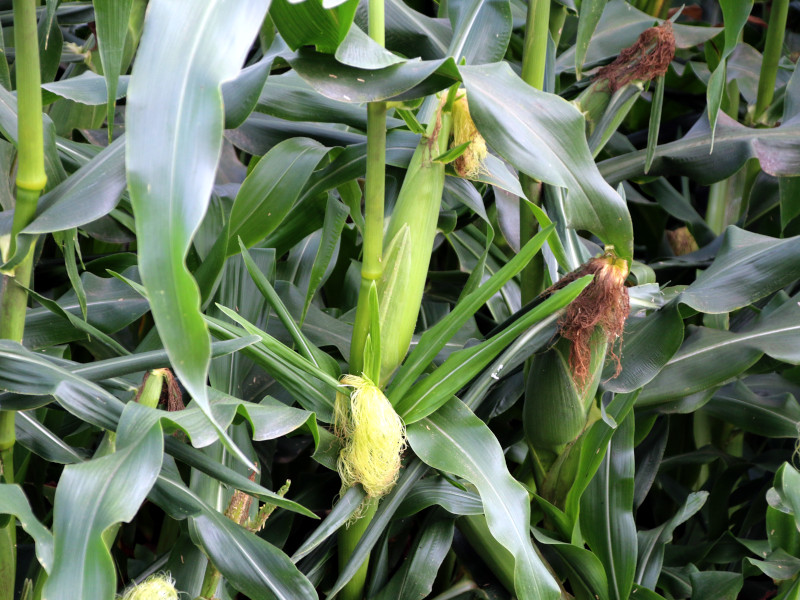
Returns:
(417,213)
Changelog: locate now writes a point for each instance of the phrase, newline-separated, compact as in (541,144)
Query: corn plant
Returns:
(386,299)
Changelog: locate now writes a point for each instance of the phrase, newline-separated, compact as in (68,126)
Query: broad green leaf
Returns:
(174,137)
(777,149)
(41,441)
(312,23)
(111,20)
(787,486)
(433,340)
(647,345)
(288,96)
(770,416)
(359,50)
(79,323)
(606,517)
(461,366)
(240,96)
(542,135)
(439,491)
(407,80)
(90,193)
(709,357)
(415,578)
(256,567)
(747,267)
(734,15)
(454,440)
(93,496)
(481,30)
(14,502)
(590,13)
(270,190)
(87,88)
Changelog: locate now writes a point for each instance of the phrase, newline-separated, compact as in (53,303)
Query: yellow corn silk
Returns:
(157,587)
(470,163)
(373,437)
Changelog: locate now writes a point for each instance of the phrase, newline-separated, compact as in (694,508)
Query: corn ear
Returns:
(470,163)
(156,587)
(412,229)
(556,406)
(373,437)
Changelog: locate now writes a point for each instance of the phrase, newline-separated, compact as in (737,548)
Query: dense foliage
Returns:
(210,255)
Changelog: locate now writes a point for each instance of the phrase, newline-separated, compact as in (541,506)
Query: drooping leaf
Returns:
(454,440)
(777,149)
(174,128)
(543,136)
(93,496)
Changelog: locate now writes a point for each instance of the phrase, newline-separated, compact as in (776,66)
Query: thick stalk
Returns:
(371,271)
(30,181)
(772,55)
(534,58)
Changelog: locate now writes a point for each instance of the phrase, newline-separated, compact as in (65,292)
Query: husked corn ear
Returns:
(416,212)
(373,437)
(470,163)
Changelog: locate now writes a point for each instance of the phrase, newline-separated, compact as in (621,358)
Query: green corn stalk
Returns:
(409,237)
(31,180)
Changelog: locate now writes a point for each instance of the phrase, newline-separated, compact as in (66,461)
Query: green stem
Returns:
(371,266)
(348,540)
(534,59)
(772,55)
(210,582)
(371,271)
(558,15)
(31,180)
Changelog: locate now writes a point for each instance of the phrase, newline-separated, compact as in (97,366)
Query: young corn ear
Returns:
(409,238)
(563,381)
(649,57)
(373,437)
(470,163)
(156,587)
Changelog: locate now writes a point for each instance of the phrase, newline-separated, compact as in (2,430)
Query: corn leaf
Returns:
(454,440)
